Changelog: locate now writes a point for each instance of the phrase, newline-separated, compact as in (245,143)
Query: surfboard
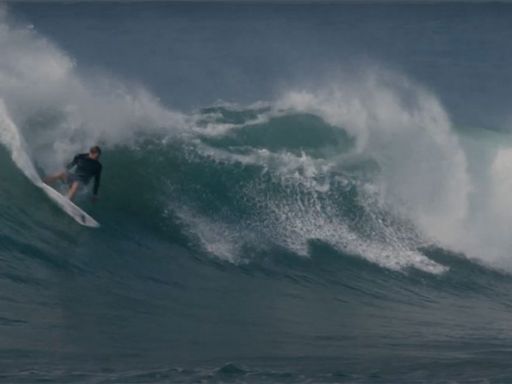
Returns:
(69,207)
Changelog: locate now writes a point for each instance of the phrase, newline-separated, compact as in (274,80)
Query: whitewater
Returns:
(291,193)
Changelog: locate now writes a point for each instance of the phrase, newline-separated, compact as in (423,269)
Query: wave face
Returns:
(349,230)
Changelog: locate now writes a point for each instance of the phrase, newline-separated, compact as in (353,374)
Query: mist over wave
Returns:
(58,109)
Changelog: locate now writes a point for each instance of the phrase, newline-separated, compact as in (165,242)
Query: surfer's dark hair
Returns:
(95,149)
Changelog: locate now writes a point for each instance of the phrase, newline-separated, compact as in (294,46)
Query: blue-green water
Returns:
(309,193)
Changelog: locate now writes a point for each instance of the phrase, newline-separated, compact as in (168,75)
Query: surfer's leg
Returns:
(73,189)
(53,178)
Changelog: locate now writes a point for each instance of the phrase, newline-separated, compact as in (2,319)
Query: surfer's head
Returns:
(95,152)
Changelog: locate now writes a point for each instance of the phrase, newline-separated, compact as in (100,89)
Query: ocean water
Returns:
(292,193)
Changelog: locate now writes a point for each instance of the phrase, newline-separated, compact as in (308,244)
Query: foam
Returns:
(423,170)
(213,236)
(293,202)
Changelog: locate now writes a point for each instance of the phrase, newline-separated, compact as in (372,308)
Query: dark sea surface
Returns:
(292,193)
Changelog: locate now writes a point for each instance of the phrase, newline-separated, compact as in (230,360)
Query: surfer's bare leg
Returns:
(62,176)
(73,189)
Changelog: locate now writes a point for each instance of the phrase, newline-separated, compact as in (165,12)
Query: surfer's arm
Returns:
(73,163)
(96,186)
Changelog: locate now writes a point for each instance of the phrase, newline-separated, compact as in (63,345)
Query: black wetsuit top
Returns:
(86,168)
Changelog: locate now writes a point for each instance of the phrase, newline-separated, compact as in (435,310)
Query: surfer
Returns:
(86,166)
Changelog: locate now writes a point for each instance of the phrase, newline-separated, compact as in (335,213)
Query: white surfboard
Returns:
(69,207)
